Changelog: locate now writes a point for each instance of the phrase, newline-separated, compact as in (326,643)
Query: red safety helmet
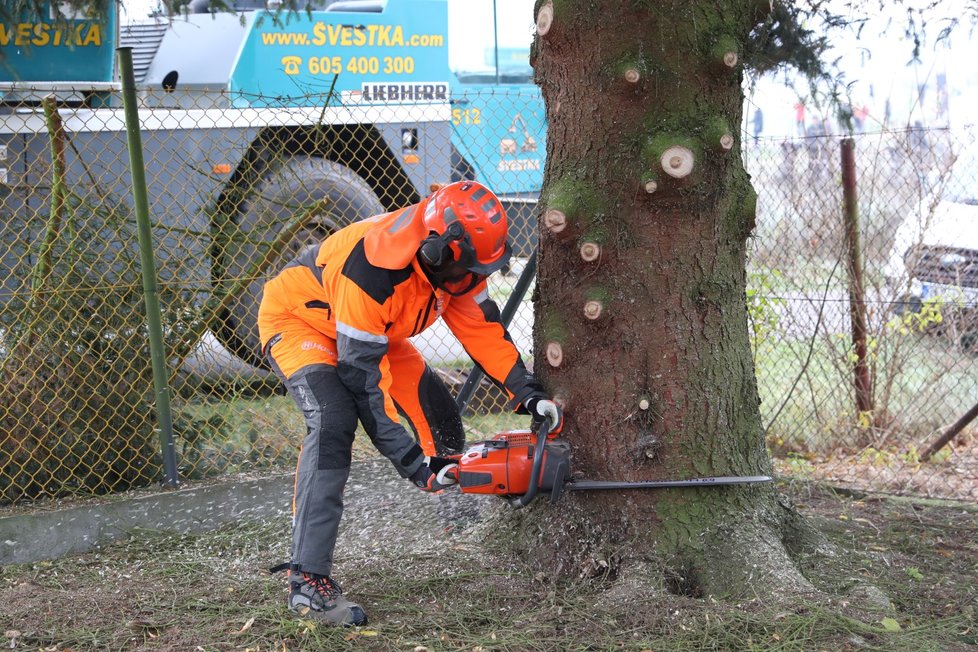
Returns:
(467,229)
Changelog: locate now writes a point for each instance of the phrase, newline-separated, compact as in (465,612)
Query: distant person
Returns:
(800,118)
(859,115)
(812,137)
(919,143)
(789,150)
(818,143)
(758,123)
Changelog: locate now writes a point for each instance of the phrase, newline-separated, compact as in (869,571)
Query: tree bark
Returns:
(643,164)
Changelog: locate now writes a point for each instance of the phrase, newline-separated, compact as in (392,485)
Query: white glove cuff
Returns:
(443,478)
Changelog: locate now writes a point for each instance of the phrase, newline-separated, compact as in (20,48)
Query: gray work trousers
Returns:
(331,415)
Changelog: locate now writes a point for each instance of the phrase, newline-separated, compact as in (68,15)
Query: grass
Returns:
(452,591)
(241,433)
(933,384)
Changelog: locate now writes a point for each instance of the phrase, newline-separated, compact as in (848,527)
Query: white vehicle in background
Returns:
(935,255)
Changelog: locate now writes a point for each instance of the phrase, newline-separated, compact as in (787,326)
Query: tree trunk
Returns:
(642,322)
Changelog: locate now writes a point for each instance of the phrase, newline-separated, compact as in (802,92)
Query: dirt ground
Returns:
(425,570)
(952,474)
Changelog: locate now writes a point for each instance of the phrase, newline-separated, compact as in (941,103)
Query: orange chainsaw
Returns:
(512,465)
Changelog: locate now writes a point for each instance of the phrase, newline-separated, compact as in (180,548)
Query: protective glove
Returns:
(544,407)
(435,474)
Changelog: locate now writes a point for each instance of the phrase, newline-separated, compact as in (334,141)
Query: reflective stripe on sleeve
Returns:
(357,334)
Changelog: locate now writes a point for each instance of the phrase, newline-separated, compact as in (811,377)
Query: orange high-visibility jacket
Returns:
(369,289)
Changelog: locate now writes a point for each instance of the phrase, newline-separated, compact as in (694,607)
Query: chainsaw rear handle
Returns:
(531,492)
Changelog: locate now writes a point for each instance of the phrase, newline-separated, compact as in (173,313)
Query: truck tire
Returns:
(282,194)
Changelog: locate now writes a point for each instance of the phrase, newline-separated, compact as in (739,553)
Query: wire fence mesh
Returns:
(918,248)
(235,193)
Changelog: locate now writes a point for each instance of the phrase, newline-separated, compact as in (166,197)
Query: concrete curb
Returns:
(41,535)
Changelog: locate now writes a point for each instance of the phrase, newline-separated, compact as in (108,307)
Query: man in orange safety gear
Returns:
(334,325)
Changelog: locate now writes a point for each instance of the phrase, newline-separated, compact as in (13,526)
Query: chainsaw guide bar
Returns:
(593,485)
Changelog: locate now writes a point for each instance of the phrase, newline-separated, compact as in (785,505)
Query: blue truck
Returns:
(248,118)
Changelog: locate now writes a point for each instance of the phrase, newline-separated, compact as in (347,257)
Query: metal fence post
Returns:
(951,433)
(154,321)
(857,294)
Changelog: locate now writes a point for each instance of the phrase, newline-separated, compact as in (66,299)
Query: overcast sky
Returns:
(878,62)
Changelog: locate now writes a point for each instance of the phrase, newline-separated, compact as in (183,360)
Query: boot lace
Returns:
(323,585)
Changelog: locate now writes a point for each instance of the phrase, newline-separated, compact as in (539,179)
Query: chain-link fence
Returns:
(235,193)
(860,374)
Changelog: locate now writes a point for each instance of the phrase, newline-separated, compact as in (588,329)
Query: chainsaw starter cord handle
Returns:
(541,444)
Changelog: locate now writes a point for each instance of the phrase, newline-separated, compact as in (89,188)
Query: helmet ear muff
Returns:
(436,251)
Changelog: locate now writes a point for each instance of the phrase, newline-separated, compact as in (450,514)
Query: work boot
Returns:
(320,598)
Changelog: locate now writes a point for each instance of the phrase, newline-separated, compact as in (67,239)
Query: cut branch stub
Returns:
(677,161)
(555,220)
(674,154)
(596,302)
(630,71)
(570,205)
(593,309)
(649,182)
(555,354)
(726,53)
(719,135)
(554,333)
(545,18)
(590,251)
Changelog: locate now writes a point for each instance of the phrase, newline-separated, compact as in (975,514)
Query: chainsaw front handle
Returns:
(541,444)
